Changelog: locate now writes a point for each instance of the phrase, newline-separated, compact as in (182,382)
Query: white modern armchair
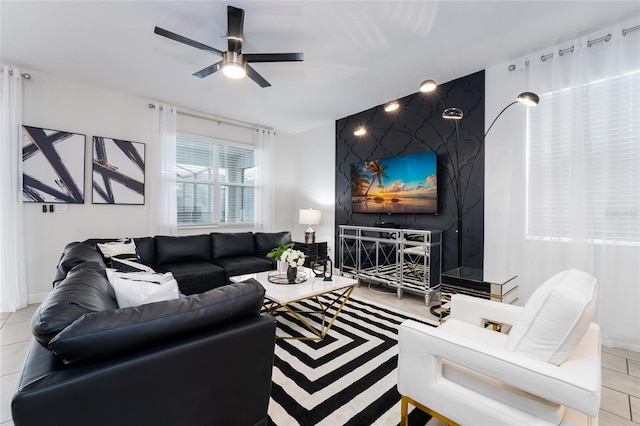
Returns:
(546,371)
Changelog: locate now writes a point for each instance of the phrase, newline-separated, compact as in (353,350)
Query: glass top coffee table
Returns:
(285,298)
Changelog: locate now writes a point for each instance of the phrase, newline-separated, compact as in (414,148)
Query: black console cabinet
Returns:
(311,251)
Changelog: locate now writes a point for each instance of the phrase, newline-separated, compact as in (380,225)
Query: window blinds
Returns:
(586,184)
(215,182)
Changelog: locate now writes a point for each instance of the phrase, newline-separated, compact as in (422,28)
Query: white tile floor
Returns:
(620,368)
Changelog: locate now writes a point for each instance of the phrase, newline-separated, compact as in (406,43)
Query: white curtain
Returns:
(567,78)
(13,285)
(264,198)
(161,182)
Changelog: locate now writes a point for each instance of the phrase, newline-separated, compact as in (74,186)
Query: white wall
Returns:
(504,177)
(58,104)
(315,170)
(286,156)
(63,105)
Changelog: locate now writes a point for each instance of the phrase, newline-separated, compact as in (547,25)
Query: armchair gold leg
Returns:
(404,409)
(404,412)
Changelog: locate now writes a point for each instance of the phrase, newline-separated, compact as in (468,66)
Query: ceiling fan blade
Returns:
(253,75)
(208,70)
(187,41)
(235,22)
(273,57)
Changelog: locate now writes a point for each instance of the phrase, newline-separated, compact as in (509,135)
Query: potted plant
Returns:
(277,252)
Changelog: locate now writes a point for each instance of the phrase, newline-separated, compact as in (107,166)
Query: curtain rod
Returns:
(24,75)
(213,118)
(590,43)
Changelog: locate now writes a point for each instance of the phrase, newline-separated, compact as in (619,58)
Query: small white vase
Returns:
(282,266)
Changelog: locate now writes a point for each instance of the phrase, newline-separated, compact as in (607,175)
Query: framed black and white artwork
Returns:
(53,166)
(118,171)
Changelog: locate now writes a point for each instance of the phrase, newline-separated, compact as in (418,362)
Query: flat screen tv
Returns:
(402,184)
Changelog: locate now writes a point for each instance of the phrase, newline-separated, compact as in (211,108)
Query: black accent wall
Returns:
(418,126)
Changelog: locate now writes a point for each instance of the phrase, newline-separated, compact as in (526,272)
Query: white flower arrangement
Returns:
(293,258)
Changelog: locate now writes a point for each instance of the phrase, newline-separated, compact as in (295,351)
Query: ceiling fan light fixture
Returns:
(452,114)
(234,71)
(391,106)
(233,66)
(528,98)
(428,86)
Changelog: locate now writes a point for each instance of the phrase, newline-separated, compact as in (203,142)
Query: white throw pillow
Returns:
(123,249)
(139,288)
(555,317)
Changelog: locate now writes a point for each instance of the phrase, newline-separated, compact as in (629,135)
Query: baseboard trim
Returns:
(36,298)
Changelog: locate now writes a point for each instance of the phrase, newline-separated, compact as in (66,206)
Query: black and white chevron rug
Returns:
(349,378)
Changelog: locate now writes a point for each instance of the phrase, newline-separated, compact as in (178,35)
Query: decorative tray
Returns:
(281,277)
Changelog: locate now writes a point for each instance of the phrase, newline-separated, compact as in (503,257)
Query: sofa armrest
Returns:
(575,383)
(475,311)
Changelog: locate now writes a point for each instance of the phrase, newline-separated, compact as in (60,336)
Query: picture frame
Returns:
(53,164)
(118,171)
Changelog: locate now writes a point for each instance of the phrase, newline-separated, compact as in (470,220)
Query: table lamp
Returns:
(309,217)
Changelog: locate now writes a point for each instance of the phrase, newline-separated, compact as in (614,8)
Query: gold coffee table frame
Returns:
(340,295)
(282,298)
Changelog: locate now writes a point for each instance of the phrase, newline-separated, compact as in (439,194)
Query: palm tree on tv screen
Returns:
(377,171)
(358,181)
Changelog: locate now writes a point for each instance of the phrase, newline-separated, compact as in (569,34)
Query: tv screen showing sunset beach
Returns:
(402,184)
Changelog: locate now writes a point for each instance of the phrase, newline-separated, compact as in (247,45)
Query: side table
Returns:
(472,282)
(312,251)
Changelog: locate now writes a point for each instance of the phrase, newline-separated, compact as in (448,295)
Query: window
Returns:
(584,163)
(216,182)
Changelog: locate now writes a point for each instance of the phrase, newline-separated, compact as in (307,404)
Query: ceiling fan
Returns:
(234,63)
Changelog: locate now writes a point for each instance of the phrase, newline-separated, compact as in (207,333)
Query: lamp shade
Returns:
(309,217)
(360,131)
(452,114)
(428,86)
(528,98)
(391,106)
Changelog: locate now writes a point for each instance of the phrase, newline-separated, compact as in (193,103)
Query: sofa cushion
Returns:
(555,318)
(107,333)
(266,241)
(195,277)
(239,265)
(138,288)
(232,244)
(146,247)
(191,248)
(75,254)
(84,290)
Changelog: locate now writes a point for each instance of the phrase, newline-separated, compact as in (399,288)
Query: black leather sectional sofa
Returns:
(202,359)
(202,262)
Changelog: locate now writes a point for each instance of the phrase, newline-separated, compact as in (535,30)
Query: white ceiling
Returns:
(358,54)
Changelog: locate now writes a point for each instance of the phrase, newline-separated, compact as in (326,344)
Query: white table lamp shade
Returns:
(309,217)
